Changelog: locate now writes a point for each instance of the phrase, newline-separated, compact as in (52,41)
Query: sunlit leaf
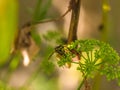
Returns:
(8,24)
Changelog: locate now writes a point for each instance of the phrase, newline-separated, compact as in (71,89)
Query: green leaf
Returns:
(41,10)
(54,37)
(8,25)
(35,35)
(51,35)
(47,66)
(15,62)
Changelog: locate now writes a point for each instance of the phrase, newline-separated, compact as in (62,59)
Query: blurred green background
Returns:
(41,74)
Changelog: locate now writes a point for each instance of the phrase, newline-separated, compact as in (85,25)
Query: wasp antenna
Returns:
(51,55)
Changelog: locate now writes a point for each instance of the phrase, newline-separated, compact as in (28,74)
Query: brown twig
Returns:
(23,37)
(28,24)
(87,86)
(54,19)
(75,5)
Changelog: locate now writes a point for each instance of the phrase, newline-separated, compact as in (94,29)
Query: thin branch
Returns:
(91,54)
(88,56)
(75,4)
(25,30)
(85,82)
(81,84)
(28,24)
(54,19)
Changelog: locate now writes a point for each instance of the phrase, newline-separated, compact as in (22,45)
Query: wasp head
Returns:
(60,50)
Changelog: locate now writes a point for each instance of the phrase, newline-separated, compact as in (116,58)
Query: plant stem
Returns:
(81,84)
(75,4)
(85,82)
(53,19)
(105,12)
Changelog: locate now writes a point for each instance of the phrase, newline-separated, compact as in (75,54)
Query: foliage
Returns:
(36,37)
(53,38)
(41,9)
(46,66)
(8,19)
(95,56)
(4,86)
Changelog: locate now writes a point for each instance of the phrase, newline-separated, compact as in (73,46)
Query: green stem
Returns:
(75,62)
(83,57)
(91,55)
(105,13)
(81,84)
(88,56)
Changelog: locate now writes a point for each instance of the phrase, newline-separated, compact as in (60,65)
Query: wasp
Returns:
(62,50)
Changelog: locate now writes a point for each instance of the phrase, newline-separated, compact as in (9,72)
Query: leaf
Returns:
(46,65)
(15,62)
(8,24)
(52,36)
(41,10)
(35,35)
